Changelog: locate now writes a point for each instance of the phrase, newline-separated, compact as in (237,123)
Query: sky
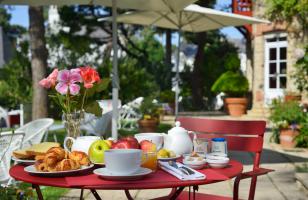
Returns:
(20,17)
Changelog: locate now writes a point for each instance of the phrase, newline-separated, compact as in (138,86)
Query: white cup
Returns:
(156,138)
(123,161)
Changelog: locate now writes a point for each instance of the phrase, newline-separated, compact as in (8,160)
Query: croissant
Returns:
(79,157)
(41,166)
(67,164)
(39,157)
(51,159)
(59,152)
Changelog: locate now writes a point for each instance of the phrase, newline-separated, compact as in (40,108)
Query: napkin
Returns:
(179,174)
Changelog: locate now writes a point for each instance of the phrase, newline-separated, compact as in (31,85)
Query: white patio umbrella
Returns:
(193,18)
(155,5)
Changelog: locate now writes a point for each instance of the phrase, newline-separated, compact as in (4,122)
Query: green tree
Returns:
(215,53)
(151,57)
(39,56)
(15,79)
(281,10)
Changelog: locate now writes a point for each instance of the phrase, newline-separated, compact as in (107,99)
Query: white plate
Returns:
(31,170)
(28,162)
(168,159)
(104,173)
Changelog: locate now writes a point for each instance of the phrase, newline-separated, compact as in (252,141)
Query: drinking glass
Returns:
(149,160)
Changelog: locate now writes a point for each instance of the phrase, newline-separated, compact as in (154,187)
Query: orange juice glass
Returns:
(149,160)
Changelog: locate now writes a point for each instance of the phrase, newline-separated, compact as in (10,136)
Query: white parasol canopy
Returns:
(193,18)
(156,5)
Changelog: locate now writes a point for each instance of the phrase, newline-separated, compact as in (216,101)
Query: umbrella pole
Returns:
(177,76)
(115,78)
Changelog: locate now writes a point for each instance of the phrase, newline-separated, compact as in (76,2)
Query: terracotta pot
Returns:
(287,137)
(147,125)
(236,106)
(293,98)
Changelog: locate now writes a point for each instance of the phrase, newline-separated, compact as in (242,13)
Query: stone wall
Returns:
(295,40)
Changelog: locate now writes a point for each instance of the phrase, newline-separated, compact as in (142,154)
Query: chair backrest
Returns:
(8,143)
(35,130)
(240,135)
(96,125)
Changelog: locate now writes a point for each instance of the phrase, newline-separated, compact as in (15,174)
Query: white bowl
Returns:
(156,138)
(195,164)
(218,163)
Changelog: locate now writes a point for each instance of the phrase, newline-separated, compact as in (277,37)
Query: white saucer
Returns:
(104,173)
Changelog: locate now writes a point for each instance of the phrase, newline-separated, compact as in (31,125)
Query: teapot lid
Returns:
(177,128)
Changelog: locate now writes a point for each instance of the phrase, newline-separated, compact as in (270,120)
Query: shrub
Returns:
(149,109)
(289,114)
(232,82)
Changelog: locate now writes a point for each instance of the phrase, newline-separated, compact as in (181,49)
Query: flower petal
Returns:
(75,77)
(45,83)
(64,75)
(62,88)
(88,85)
(74,89)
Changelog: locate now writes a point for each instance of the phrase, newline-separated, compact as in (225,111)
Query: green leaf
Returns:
(94,109)
(102,85)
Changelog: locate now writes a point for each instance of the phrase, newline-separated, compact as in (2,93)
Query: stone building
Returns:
(272,57)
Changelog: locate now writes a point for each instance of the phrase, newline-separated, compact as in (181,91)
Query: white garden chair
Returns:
(128,115)
(99,126)
(35,130)
(9,142)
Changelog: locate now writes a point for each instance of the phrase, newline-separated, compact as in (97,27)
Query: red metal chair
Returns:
(241,136)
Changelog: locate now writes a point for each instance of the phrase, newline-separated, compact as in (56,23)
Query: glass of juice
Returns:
(149,160)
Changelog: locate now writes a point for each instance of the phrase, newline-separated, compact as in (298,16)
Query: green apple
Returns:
(97,151)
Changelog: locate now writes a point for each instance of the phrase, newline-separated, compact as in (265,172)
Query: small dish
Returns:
(195,164)
(169,159)
(24,162)
(216,155)
(218,163)
(199,154)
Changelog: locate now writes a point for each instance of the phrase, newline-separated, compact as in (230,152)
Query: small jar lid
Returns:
(218,139)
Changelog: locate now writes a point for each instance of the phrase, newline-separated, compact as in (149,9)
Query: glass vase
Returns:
(72,123)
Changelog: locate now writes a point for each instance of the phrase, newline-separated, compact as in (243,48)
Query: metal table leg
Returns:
(129,197)
(95,194)
(38,191)
(81,194)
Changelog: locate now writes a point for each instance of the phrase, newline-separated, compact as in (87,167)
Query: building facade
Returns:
(273,55)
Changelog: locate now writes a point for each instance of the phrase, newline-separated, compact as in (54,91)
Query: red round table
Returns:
(159,179)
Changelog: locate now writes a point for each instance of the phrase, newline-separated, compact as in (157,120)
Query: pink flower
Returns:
(67,82)
(50,81)
(89,76)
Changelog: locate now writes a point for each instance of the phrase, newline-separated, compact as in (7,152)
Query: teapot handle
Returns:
(68,147)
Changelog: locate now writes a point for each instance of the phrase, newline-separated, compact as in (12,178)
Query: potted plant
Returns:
(292,96)
(168,96)
(149,112)
(287,118)
(235,85)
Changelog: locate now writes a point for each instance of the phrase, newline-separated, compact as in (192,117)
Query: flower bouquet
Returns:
(74,91)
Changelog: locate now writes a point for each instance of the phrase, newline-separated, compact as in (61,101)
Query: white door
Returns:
(275,78)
